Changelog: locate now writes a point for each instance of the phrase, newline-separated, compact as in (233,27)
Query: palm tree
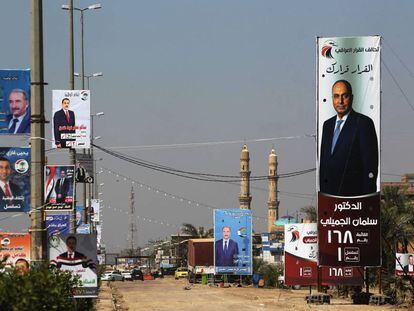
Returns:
(310,212)
(199,232)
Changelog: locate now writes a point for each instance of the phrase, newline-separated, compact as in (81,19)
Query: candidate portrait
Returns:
(18,121)
(63,123)
(227,250)
(348,160)
(10,193)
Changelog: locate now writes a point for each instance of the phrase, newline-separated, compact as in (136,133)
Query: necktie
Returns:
(7,191)
(336,134)
(67,116)
(12,128)
(225,247)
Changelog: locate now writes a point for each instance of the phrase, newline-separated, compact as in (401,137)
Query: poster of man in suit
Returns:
(348,149)
(14,179)
(76,253)
(71,119)
(59,187)
(15,101)
(233,241)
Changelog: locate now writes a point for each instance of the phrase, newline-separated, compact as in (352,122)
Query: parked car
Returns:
(181,273)
(137,274)
(113,276)
(127,275)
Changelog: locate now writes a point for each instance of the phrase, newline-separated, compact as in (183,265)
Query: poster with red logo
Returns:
(15,247)
(348,150)
(59,187)
(301,264)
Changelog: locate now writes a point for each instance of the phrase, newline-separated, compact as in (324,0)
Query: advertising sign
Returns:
(15,247)
(404,264)
(77,253)
(96,207)
(79,216)
(59,187)
(83,229)
(15,101)
(84,168)
(348,157)
(301,264)
(71,119)
(233,241)
(57,224)
(14,179)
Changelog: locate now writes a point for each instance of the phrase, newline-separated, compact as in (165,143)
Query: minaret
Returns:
(245,197)
(272,203)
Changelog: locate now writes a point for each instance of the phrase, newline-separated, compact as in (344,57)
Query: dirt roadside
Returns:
(169,294)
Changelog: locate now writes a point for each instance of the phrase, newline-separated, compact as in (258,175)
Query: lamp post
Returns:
(94,75)
(98,114)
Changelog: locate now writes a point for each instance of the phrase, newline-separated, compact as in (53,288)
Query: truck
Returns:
(200,258)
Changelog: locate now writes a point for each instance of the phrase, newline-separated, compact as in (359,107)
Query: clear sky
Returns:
(198,71)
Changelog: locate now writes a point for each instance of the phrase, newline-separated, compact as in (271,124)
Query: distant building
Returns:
(272,202)
(245,198)
(406,184)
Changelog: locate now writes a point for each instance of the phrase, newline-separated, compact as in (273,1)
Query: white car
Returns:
(112,276)
(127,275)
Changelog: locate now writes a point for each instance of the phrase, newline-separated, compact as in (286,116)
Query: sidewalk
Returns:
(104,301)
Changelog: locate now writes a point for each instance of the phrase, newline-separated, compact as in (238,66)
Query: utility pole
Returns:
(72,152)
(37,128)
(132,220)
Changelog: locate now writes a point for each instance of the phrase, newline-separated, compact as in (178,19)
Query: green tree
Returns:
(199,232)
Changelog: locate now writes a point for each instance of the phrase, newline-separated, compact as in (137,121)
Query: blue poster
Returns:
(56,224)
(15,101)
(79,216)
(14,179)
(233,241)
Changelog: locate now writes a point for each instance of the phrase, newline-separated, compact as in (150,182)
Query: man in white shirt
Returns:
(18,121)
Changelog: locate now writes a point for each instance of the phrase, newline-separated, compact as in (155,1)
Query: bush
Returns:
(40,288)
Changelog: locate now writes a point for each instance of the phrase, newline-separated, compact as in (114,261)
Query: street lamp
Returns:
(98,114)
(94,75)
(82,10)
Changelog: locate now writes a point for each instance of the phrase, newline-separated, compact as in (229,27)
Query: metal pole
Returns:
(37,127)
(72,152)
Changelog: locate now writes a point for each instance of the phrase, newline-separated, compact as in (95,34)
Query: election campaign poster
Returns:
(348,150)
(83,229)
(57,224)
(404,264)
(96,207)
(233,241)
(14,179)
(79,216)
(59,187)
(14,101)
(84,168)
(301,260)
(76,253)
(71,119)
(15,248)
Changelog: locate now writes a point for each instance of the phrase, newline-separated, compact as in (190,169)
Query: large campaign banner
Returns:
(301,260)
(71,119)
(57,224)
(348,151)
(16,248)
(233,241)
(59,187)
(96,207)
(404,264)
(77,253)
(14,101)
(14,179)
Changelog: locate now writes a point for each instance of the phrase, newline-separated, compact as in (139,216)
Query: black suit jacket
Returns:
(228,259)
(59,121)
(63,190)
(24,126)
(16,191)
(352,168)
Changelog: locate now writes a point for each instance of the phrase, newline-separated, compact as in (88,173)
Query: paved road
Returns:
(169,294)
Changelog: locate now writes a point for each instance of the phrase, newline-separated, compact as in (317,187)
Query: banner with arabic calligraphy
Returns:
(14,247)
(59,187)
(14,179)
(348,151)
(57,224)
(301,253)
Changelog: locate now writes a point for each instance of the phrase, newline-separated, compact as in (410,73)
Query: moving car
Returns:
(127,275)
(137,274)
(113,276)
(181,273)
